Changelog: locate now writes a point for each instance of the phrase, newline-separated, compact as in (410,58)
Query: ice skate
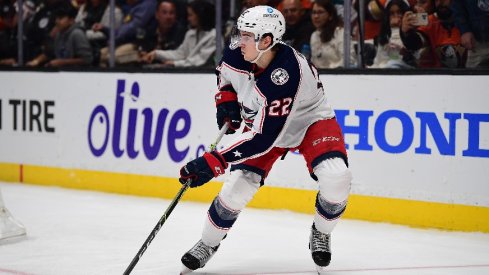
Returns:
(319,244)
(197,257)
(9,227)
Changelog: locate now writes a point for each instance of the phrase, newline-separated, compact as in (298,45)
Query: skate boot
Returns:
(9,227)
(197,256)
(319,244)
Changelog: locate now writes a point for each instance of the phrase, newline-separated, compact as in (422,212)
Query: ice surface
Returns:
(72,232)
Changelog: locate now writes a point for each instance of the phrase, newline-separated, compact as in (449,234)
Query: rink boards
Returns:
(418,145)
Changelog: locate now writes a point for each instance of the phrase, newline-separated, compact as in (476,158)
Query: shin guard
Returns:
(236,192)
(334,180)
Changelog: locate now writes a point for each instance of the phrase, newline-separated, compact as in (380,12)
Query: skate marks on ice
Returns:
(254,273)
(448,269)
(464,269)
(98,233)
(5,271)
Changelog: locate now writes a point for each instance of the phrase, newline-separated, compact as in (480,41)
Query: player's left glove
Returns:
(201,170)
(228,111)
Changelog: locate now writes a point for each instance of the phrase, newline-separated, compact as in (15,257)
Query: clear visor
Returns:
(237,38)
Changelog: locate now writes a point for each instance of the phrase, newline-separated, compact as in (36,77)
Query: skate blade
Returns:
(321,269)
(185,270)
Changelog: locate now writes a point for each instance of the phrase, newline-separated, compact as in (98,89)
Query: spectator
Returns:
(390,50)
(374,13)
(298,25)
(94,16)
(253,3)
(78,3)
(306,4)
(373,16)
(427,6)
(139,17)
(28,8)
(339,4)
(3,4)
(424,57)
(472,19)
(440,34)
(169,31)
(199,43)
(8,34)
(327,40)
(71,46)
(40,31)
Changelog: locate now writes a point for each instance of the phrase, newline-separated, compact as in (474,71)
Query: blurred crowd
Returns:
(182,33)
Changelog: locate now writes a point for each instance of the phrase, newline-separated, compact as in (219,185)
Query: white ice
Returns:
(84,232)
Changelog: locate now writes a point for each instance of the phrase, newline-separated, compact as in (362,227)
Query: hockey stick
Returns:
(168,211)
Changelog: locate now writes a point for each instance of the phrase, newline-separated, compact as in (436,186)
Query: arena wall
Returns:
(418,144)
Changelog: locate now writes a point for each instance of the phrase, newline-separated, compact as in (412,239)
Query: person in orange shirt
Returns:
(440,34)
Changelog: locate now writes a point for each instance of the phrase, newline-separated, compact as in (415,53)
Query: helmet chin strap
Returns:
(260,52)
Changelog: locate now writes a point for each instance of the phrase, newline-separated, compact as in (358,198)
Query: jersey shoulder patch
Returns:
(279,76)
(282,77)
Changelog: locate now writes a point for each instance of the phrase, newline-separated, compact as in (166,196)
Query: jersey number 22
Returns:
(280,107)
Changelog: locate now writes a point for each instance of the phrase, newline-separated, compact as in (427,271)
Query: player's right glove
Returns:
(228,111)
(203,169)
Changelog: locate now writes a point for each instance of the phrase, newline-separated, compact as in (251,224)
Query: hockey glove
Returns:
(203,169)
(228,111)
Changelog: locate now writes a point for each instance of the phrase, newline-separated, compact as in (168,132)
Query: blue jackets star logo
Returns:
(237,153)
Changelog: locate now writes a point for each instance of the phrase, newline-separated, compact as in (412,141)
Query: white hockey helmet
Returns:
(261,20)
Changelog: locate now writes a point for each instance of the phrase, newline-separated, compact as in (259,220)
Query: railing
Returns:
(232,16)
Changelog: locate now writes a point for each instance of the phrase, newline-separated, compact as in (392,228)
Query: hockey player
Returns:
(9,227)
(280,98)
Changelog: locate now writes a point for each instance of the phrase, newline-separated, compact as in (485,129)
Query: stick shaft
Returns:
(223,130)
(157,228)
(168,211)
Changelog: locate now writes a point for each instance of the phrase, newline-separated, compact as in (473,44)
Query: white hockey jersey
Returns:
(278,104)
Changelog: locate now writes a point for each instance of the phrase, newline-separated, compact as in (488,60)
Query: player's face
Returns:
(247,45)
